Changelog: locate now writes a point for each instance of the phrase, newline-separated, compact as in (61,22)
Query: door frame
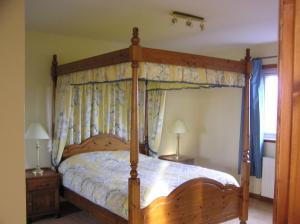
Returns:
(287,198)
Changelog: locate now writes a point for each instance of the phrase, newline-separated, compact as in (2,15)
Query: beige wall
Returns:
(12,71)
(39,50)
(212,117)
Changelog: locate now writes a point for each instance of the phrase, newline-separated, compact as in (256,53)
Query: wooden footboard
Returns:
(197,201)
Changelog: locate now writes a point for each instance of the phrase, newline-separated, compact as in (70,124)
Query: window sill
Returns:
(270,140)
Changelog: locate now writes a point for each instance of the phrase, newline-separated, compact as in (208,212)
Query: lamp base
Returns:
(38,171)
(177,151)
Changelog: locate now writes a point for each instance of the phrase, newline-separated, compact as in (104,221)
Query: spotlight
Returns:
(188,23)
(174,20)
(202,26)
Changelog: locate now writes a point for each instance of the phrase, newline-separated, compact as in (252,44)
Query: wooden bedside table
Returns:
(42,193)
(181,159)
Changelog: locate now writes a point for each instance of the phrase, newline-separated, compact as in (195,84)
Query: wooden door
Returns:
(287,195)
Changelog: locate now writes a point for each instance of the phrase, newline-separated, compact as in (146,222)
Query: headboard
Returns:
(101,142)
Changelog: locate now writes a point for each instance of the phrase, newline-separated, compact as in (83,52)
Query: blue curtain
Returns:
(256,120)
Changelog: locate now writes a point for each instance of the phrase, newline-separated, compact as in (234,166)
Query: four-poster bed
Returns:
(199,200)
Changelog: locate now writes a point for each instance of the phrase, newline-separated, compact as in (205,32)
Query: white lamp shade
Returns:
(179,127)
(36,131)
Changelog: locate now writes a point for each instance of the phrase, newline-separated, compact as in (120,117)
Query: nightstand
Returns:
(181,159)
(42,193)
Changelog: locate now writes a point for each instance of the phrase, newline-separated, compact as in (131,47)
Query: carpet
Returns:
(260,212)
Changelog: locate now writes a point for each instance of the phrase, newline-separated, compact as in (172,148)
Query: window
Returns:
(271,96)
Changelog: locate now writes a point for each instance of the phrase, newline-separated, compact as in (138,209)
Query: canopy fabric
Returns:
(166,73)
(156,111)
(168,76)
(89,109)
(102,108)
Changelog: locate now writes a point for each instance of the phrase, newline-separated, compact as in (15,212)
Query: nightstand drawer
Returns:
(42,183)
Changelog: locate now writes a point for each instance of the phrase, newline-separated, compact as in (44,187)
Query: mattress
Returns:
(102,178)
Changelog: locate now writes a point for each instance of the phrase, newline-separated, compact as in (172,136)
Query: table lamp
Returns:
(178,128)
(37,132)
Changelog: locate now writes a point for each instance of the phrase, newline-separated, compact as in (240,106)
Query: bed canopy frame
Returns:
(239,197)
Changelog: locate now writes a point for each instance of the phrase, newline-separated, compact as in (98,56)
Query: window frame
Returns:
(270,69)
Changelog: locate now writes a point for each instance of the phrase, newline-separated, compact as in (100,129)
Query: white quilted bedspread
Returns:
(102,177)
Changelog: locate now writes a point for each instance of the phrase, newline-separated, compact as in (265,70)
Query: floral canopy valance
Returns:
(159,76)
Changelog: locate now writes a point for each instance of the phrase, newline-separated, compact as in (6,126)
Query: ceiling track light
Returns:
(189,19)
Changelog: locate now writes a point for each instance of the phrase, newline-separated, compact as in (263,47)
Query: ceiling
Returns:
(229,23)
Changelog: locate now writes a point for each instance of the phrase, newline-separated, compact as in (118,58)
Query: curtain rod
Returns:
(266,57)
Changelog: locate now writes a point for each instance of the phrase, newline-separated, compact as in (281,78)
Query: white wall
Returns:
(212,117)
(39,50)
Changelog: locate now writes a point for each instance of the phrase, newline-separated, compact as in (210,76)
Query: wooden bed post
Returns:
(54,79)
(246,142)
(134,181)
(146,126)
